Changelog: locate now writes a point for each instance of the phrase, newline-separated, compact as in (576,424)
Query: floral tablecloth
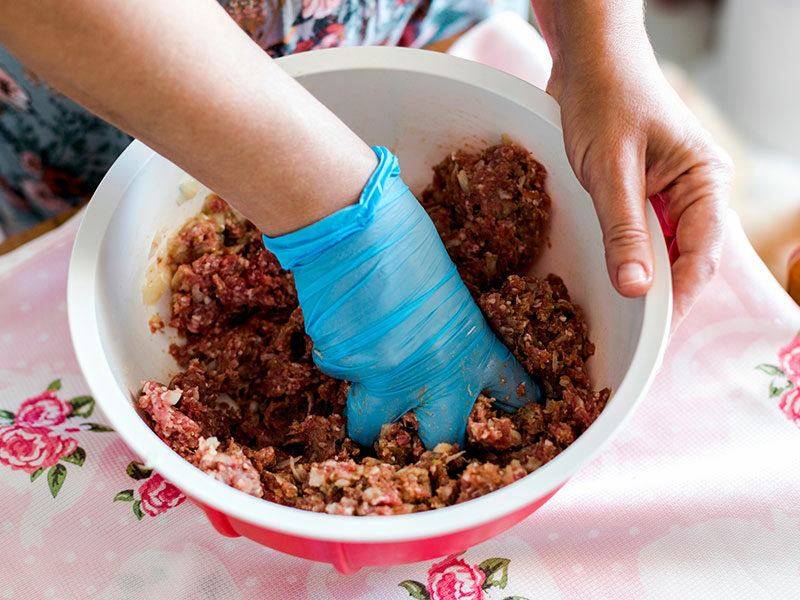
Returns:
(698,496)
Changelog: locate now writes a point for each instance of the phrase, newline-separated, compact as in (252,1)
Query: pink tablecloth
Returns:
(698,497)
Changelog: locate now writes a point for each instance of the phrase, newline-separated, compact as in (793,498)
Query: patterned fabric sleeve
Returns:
(53,153)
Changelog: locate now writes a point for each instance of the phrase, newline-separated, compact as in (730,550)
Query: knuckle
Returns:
(623,166)
(626,234)
(726,163)
(718,161)
(611,164)
(714,193)
(708,265)
(716,218)
(722,164)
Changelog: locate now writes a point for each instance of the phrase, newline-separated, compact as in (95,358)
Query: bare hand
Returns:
(629,136)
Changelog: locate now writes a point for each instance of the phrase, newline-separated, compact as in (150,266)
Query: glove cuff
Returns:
(302,246)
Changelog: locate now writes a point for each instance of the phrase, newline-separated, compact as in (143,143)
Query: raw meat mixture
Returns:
(251,409)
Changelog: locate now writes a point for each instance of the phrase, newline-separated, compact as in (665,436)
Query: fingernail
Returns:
(630,274)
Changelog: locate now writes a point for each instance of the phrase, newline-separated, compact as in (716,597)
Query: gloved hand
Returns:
(387,310)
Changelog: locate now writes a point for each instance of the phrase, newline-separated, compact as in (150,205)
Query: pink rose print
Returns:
(786,379)
(789,360)
(63,183)
(156,495)
(13,198)
(159,495)
(328,38)
(790,405)
(32,448)
(11,93)
(31,162)
(317,9)
(43,410)
(455,579)
(39,194)
(33,440)
(304,45)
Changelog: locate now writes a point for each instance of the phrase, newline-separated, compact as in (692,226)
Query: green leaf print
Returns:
(77,458)
(6,416)
(496,571)
(36,473)
(124,496)
(54,385)
(137,509)
(137,471)
(770,369)
(99,427)
(55,478)
(775,390)
(82,406)
(415,589)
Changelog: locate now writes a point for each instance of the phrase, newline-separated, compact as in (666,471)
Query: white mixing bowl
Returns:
(421,105)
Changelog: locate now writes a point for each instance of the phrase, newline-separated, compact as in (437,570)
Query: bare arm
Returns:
(182,77)
(579,31)
(629,136)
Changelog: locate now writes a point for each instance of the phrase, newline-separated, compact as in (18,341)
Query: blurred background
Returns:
(736,63)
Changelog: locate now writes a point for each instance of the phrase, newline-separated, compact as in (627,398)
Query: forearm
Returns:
(591,34)
(182,77)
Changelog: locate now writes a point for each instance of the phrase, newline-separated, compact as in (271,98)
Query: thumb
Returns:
(366,414)
(444,420)
(619,198)
(507,382)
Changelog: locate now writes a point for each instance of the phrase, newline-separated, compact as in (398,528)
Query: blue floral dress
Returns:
(53,153)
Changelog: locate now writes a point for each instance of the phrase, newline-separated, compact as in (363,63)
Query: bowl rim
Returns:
(116,405)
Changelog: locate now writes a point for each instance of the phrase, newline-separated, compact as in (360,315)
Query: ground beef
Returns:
(490,209)
(170,424)
(398,443)
(231,467)
(156,323)
(548,335)
(486,428)
(480,478)
(251,409)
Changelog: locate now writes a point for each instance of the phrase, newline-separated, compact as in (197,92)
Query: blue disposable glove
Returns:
(387,310)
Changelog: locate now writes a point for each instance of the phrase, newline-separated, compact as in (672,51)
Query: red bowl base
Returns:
(349,557)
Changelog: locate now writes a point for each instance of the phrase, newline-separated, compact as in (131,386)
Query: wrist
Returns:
(589,39)
(601,60)
(302,246)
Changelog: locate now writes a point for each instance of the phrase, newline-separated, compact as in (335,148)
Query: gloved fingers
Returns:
(444,420)
(507,382)
(366,414)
